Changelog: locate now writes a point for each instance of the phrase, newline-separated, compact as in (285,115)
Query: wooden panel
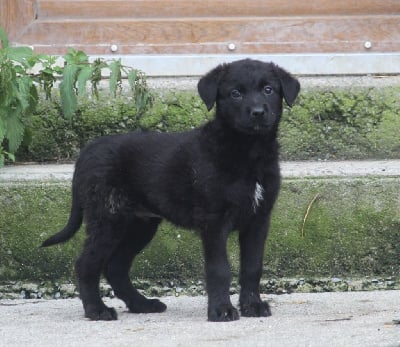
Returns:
(73,9)
(203,26)
(16,15)
(255,35)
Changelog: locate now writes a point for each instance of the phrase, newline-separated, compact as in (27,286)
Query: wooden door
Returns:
(203,26)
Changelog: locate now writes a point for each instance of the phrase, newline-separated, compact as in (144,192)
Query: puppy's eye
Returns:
(235,94)
(268,90)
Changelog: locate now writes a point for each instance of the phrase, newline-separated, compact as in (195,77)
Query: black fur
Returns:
(215,179)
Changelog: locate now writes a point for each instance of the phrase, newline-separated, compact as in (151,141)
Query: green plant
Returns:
(19,92)
(18,95)
(78,71)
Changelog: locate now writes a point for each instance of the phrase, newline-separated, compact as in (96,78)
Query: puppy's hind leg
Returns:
(138,233)
(96,250)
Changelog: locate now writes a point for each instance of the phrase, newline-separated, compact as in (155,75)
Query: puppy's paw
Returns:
(223,313)
(101,313)
(255,309)
(157,306)
(147,306)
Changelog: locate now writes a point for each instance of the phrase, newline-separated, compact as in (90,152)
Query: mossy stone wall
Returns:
(352,229)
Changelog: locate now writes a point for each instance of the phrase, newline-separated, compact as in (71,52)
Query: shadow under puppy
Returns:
(221,177)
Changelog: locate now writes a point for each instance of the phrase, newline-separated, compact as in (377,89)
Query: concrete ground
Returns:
(326,319)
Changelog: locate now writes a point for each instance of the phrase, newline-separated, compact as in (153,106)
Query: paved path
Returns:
(353,319)
(289,169)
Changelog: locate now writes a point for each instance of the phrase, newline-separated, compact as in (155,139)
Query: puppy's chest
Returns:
(258,196)
(246,197)
(253,200)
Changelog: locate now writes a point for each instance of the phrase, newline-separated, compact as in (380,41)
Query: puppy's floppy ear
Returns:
(290,85)
(208,86)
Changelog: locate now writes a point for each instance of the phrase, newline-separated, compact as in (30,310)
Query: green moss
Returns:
(30,213)
(351,230)
(323,124)
(174,254)
(175,112)
(342,124)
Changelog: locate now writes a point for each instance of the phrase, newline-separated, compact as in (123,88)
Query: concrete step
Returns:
(47,172)
(331,219)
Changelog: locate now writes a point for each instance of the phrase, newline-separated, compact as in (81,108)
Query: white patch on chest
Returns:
(258,196)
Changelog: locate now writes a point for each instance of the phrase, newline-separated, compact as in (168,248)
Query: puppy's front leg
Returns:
(218,277)
(252,242)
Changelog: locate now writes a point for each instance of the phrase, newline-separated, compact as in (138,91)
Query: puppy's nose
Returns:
(257,112)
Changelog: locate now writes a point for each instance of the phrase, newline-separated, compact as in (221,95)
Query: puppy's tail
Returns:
(73,225)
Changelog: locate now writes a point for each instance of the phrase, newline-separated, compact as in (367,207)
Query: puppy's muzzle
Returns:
(260,118)
(258,113)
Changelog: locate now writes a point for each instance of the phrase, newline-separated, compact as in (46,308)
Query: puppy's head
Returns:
(248,94)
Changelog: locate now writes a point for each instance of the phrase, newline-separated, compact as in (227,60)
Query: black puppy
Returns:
(221,177)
